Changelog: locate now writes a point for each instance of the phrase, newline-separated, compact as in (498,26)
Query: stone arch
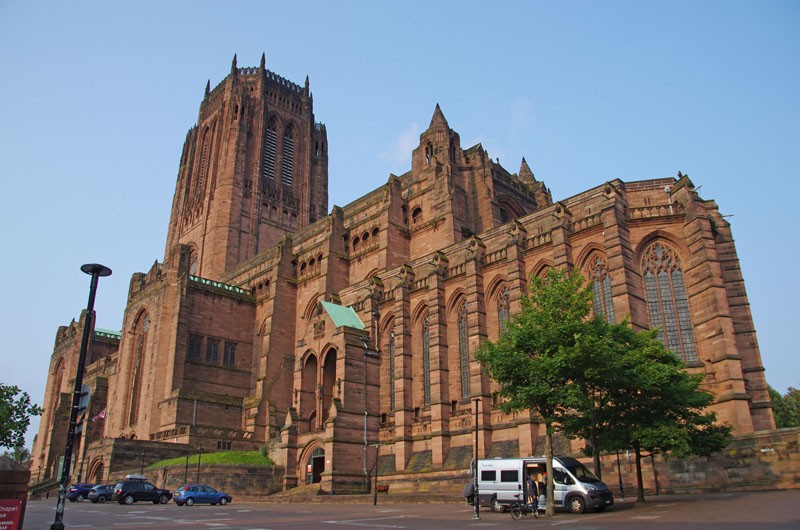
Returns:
(388,370)
(137,362)
(511,207)
(313,454)
(662,267)
(307,397)
(96,473)
(593,265)
(542,268)
(328,386)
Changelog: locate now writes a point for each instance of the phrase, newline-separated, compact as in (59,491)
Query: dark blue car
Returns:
(78,492)
(199,493)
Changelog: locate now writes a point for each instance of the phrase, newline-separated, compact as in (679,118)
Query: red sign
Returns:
(10,513)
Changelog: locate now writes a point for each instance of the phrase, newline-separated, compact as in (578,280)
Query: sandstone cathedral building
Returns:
(273,323)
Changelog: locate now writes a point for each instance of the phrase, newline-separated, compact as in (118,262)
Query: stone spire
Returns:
(263,64)
(525,173)
(438,120)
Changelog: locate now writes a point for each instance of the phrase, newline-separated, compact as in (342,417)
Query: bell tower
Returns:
(254,167)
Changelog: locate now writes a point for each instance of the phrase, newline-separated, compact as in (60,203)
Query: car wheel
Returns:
(163,499)
(223,501)
(80,498)
(128,499)
(101,499)
(496,506)
(189,501)
(72,500)
(576,505)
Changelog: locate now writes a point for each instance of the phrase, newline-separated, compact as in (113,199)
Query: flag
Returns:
(100,416)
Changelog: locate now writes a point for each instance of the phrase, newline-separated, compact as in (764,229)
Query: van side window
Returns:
(488,476)
(561,477)
(509,475)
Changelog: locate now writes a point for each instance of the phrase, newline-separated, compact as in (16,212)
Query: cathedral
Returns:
(273,323)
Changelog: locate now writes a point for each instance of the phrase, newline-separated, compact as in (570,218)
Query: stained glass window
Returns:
(667,302)
(391,349)
(426,360)
(601,288)
(503,308)
(463,349)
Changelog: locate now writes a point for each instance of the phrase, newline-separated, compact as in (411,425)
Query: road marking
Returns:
(647,517)
(371,522)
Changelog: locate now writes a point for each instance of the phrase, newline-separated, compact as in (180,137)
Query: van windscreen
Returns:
(581,473)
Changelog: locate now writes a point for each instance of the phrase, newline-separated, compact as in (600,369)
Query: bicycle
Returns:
(523,509)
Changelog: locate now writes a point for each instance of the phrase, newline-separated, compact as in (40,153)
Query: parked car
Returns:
(78,492)
(101,493)
(200,493)
(135,488)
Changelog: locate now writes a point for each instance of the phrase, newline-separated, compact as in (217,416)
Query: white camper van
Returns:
(576,489)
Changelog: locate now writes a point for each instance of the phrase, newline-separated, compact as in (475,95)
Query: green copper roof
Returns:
(343,316)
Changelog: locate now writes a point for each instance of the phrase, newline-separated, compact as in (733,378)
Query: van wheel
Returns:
(496,506)
(576,505)
(128,499)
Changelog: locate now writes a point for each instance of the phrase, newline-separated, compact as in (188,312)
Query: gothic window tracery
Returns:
(463,348)
(602,304)
(503,308)
(667,302)
(137,365)
(426,360)
(391,349)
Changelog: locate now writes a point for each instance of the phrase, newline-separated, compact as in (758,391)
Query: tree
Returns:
(15,415)
(596,362)
(529,360)
(19,454)
(660,408)
(786,408)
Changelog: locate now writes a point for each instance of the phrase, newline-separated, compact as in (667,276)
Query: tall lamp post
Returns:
(367,353)
(199,455)
(95,270)
(476,499)
(186,469)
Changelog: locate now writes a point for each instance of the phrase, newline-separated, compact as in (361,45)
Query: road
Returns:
(737,511)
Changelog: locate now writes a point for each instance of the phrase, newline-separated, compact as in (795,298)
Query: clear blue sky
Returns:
(96,99)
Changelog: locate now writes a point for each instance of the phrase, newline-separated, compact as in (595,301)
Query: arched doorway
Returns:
(315,465)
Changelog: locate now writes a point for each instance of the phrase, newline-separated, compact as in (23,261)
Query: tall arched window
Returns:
(426,360)
(270,151)
(287,163)
(667,301)
(137,365)
(204,150)
(503,308)
(601,288)
(463,348)
(391,349)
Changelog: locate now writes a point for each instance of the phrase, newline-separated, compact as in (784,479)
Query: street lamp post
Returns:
(186,469)
(95,270)
(375,485)
(141,469)
(199,455)
(476,500)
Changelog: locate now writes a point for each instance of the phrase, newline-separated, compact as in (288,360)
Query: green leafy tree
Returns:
(786,408)
(597,364)
(16,410)
(660,407)
(19,454)
(530,358)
